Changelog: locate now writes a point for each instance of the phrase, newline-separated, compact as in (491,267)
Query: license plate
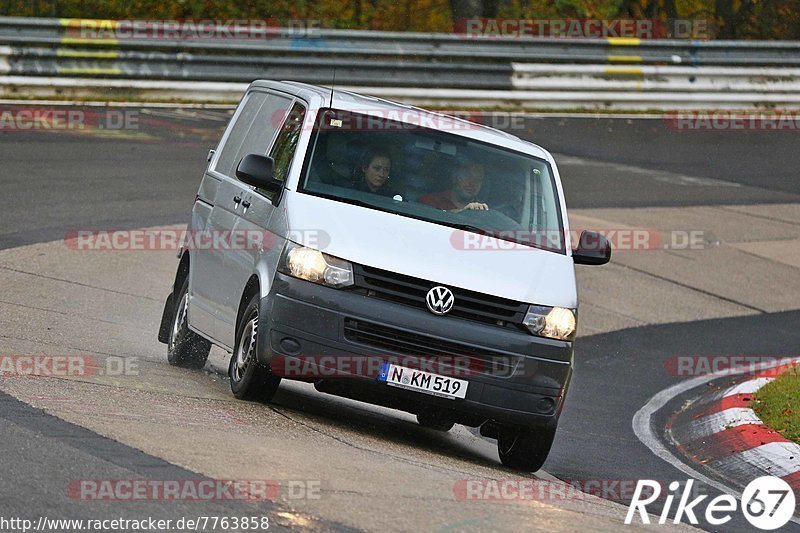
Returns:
(421,381)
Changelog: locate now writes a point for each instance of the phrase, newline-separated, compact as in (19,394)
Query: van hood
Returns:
(431,251)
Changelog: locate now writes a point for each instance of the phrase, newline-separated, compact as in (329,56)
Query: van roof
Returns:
(319,96)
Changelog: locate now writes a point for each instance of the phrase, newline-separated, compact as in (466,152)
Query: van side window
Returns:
(256,127)
(285,146)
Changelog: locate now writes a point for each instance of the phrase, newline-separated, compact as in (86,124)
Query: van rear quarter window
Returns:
(254,130)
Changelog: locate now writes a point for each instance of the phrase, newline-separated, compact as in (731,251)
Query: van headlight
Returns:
(552,322)
(314,266)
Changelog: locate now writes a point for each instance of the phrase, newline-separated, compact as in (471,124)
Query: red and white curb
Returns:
(720,432)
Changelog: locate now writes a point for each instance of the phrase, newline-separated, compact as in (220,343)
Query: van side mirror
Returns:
(593,249)
(259,171)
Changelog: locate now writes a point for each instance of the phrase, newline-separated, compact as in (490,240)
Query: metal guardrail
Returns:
(595,73)
(650,78)
(428,46)
(215,67)
(70,88)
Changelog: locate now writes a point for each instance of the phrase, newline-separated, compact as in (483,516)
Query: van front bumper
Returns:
(514,377)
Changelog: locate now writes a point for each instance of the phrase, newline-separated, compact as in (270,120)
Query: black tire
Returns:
(430,421)
(185,348)
(525,449)
(250,380)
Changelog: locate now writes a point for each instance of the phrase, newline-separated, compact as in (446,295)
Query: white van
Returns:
(387,254)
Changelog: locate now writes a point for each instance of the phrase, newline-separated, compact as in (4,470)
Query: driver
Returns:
(467,184)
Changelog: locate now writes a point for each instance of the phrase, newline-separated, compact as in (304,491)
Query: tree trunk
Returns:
(724,16)
(670,9)
(464,9)
(491,8)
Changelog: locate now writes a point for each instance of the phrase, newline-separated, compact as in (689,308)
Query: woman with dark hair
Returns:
(374,173)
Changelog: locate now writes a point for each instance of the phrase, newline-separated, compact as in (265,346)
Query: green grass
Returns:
(778,404)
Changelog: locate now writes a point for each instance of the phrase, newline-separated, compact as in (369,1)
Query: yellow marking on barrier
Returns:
(624,59)
(89,31)
(624,41)
(91,71)
(89,23)
(89,55)
(624,71)
(78,40)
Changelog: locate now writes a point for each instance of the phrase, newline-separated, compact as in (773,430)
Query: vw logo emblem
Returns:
(440,300)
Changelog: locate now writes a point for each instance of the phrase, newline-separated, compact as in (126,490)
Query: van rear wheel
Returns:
(525,449)
(250,380)
(185,348)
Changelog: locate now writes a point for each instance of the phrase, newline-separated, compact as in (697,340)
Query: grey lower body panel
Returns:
(338,339)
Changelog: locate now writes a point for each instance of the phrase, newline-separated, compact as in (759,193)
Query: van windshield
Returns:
(421,170)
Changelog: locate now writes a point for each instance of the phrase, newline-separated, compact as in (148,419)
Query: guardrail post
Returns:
(5,53)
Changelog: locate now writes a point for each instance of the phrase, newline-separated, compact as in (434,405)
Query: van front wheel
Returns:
(525,449)
(250,380)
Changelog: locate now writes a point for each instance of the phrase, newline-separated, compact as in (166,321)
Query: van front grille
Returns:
(411,291)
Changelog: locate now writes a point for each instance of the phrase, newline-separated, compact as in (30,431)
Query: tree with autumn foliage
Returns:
(727,19)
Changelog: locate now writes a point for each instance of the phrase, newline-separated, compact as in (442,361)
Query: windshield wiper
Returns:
(498,235)
(345,200)
(360,203)
(468,227)
(456,225)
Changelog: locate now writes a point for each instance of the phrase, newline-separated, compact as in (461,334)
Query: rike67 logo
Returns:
(768,503)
